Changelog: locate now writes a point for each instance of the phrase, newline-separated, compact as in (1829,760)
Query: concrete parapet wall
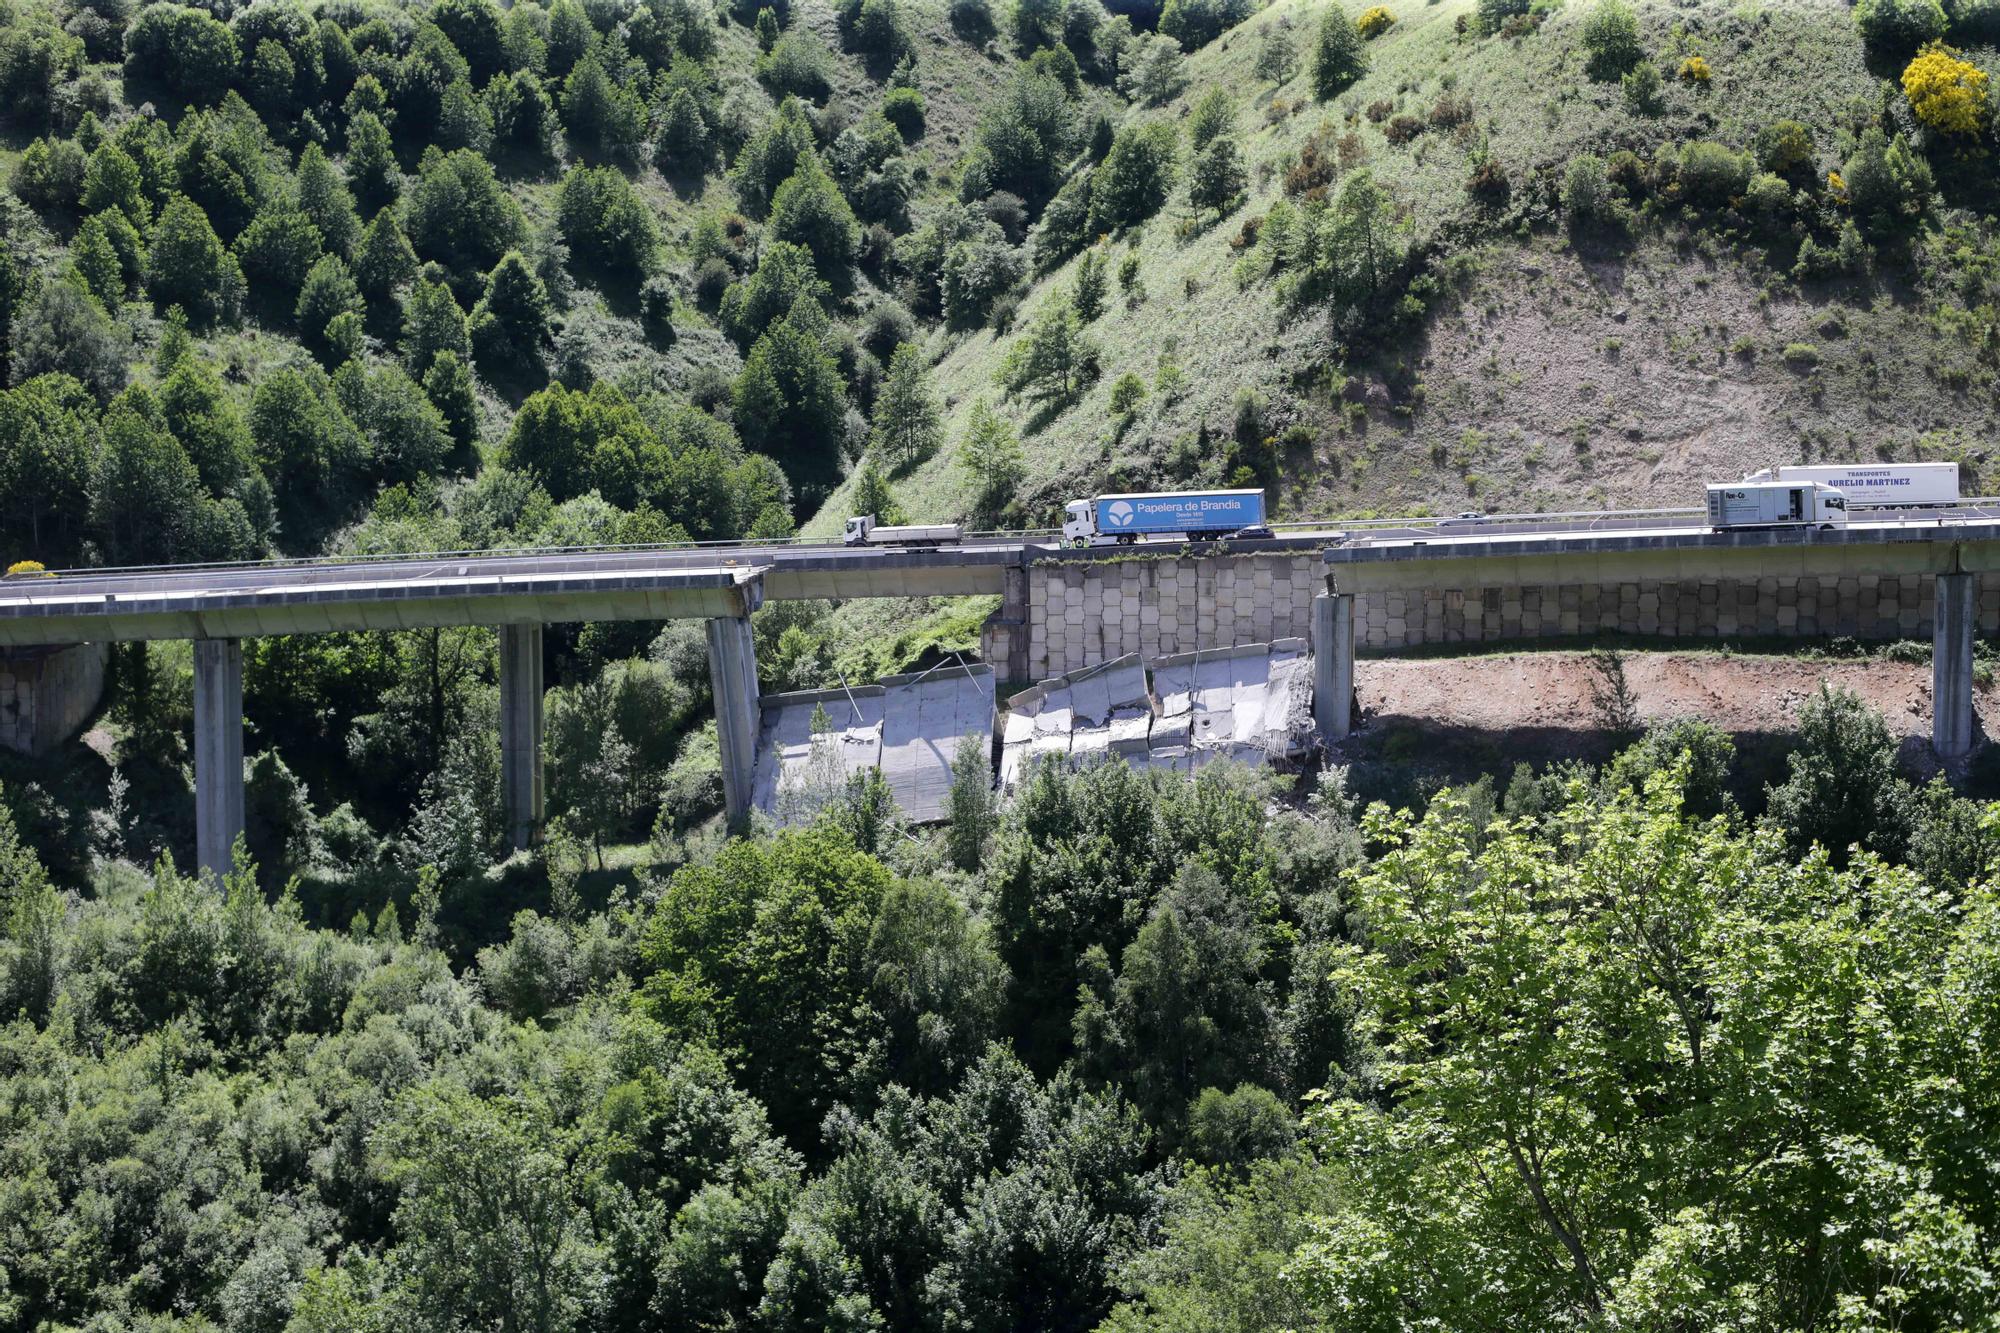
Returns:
(47,693)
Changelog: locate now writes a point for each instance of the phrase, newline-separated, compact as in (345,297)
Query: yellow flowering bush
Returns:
(1375,21)
(1694,70)
(25,567)
(1947,94)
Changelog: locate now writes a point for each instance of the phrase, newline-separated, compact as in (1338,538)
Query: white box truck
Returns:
(1104,520)
(1772,504)
(1907,484)
(863,530)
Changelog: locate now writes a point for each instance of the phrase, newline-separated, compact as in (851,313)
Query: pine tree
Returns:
(1090,284)
(1277,58)
(789,405)
(186,265)
(325,198)
(1217,177)
(433,323)
(874,496)
(145,492)
(384,260)
(328,291)
(1338,60)
(510,324)
(371,162)
(809,210)
(97,264)
(909,425)
(1054,359)
(990,453)
(682,144)
(111,179)
(448,384)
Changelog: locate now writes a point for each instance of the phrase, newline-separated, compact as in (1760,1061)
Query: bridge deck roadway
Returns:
(192,602)
(1916,542)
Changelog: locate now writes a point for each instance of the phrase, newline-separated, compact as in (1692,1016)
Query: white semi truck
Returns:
(863,530)
(1105,520)
(1771,504)
(1913,485)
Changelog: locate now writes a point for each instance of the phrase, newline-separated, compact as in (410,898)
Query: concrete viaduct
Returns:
(1381,566)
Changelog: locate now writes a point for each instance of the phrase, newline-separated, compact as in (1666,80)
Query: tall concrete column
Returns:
(1951,665)
(1333,665)
(521,731)
(732,669)
(218,751)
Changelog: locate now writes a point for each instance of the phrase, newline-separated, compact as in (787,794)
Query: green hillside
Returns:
(1661,1036)
(1554,365)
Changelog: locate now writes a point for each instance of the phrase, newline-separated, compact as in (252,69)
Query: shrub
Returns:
(1803,356)
(1946,93)
(1402,129)
(50,176)
(1586,193)
(1374,22)
(1126,394)
(1785,148)
(1496,15)
(608,228)
(798,66)
(1712,174)
(904,108)
(1895,26)
(1886,182)
(656,310)
(1610,41)
(1642,88)
(1768,196)
(1694,71)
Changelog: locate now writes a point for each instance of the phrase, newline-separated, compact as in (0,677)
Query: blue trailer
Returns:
(1194,515)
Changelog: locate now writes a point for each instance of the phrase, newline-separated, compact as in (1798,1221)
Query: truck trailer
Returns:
(1195,515)
(1774,504)
(1913,485)
(863,530)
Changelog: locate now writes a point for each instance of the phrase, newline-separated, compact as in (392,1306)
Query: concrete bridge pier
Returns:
(1333,665)
(218,751)
(1951,664)
(732,670)
(521,732)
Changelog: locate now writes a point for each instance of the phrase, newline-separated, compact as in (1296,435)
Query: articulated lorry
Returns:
(1105,520)
(1907,484)
(863,530)
(1772,504)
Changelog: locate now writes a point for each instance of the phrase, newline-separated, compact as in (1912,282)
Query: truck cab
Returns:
(858,529)
(1078,527)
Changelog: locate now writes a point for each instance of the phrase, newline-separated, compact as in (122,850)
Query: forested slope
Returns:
(1595,1050)
(1648,1046)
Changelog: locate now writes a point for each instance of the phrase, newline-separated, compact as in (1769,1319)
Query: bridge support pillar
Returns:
(218,751)
(732,670)
(1951,665)
(521,732)
(1333,665)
